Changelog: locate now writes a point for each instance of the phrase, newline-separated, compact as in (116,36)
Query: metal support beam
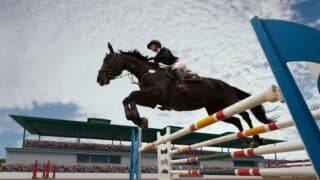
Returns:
(24,137)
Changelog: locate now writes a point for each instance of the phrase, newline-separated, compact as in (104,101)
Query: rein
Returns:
(130,76)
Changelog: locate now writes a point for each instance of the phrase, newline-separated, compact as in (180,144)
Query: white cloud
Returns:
(315,23)
(50,51)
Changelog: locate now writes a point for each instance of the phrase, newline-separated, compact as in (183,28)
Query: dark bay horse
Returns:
(156,88)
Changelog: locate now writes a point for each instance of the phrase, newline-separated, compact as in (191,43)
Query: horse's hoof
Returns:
(144,123)
(261,141)
(252,144)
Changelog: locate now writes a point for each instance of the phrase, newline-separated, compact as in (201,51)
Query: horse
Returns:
(157,88)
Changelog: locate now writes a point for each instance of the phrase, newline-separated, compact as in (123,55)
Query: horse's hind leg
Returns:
(233,120)
(260,114)
(246,117)
(236,122)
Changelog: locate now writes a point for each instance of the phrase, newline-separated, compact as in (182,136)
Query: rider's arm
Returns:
(163,55)
(153,62)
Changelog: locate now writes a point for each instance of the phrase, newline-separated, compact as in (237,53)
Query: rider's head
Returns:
(154,45)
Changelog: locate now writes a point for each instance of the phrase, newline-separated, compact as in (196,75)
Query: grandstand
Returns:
(80,155)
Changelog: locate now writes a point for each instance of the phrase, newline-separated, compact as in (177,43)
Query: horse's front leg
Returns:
(146,97)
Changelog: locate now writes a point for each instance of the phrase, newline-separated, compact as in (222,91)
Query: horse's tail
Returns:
(258,111)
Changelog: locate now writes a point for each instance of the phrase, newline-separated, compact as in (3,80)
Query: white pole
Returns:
(279,148)
(268,149)
(293,171)
(306,171)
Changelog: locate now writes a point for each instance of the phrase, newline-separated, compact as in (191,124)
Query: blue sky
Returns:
(13,133)
(50,53)
(309,11)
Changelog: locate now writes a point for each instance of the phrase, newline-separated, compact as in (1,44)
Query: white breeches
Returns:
(179,65)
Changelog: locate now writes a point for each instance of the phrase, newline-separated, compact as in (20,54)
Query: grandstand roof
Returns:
(103,129)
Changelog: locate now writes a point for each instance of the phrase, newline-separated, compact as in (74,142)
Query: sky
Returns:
(50,53)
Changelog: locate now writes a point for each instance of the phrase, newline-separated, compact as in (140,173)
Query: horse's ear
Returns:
(110,48)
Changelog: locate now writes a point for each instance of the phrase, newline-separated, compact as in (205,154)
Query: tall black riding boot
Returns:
(180,77)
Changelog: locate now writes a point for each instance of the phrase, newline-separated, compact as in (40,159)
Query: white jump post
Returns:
(164,157)
(139,153)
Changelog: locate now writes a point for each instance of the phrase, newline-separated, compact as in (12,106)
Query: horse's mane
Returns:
(135,53)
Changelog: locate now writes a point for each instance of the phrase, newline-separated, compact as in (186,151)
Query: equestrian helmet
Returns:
(156,42)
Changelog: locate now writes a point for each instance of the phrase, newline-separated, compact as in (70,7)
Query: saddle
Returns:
(188,75)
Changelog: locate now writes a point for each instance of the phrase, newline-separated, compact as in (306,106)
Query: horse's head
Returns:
(111,67)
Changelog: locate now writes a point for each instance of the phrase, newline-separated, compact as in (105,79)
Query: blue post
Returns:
(284,42)
(134,155)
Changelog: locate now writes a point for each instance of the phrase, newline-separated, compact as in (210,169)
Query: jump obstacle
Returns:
(282,42)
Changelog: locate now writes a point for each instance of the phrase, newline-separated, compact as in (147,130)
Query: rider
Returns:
(165,56)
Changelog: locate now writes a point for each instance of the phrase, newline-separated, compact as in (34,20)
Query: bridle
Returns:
(108,70)
(130,76)
(111,73)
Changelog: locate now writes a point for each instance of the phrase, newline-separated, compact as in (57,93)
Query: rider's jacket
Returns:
(165,56)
